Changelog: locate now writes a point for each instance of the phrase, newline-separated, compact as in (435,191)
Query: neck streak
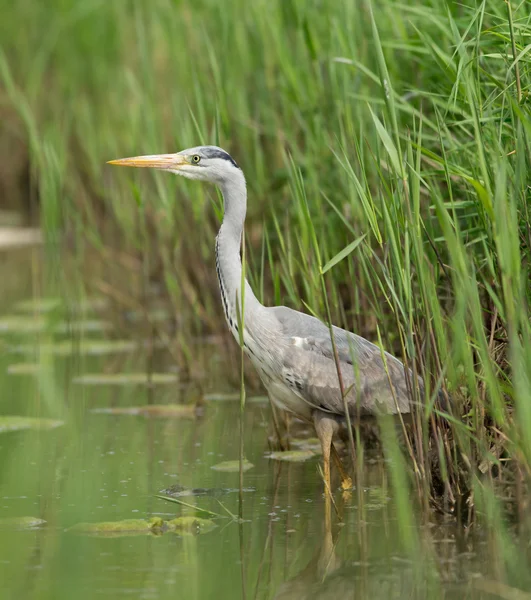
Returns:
(228,259)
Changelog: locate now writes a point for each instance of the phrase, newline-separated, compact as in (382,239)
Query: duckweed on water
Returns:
(18,423)
(292,455)
(24,369)
(126,526)
(21,522)
(151,410)
(22,324)
(312,443)
(154,525)
(190,525)
(69,347)
(46,305)
(39,305)
(232,466)
(126,378)
(232,397)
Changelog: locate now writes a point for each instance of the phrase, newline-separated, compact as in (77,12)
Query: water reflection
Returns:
(109,466)
(105,467)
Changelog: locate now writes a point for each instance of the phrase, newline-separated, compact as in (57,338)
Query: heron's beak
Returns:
(156,161)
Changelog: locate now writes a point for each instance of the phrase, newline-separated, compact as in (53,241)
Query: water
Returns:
(103,467)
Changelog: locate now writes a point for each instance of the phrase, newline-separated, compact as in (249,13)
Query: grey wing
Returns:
(308,365)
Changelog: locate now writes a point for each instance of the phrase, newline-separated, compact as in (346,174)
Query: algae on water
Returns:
(232,466)
(21,522)
(292,455)
(17,423)
(154,525)
(126,378)
(151,410)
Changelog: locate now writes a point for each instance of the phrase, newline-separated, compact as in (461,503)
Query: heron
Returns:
(313,371)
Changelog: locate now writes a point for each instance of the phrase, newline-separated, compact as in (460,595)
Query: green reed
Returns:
(403,125)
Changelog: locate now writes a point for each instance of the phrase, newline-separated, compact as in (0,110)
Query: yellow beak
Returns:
(155,161)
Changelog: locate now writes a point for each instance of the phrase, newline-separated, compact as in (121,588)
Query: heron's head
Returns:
(207,163)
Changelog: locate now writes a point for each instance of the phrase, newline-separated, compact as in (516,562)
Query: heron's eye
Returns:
(196,158)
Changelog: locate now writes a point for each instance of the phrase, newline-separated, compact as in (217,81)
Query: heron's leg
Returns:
(346,479)
(325,427)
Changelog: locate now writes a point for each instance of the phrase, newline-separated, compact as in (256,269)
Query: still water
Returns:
(101,467)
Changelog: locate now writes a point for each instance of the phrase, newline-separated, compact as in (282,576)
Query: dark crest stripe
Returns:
(215,153)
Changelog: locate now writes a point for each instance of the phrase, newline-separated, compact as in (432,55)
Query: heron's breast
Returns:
(286,399)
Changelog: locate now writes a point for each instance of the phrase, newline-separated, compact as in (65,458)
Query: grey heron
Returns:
(292,351)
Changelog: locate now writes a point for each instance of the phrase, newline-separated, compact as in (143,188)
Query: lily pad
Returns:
(232,466)
(126,527)
(312,444)
(17,423)
(46,305)
(126,378)
(24,369)
(292,455)
(257,399)
(83,326)
(22,522)
(155,525)
(38,305)
(151,410)
(220,397)
(25,324)
(68,347)
(190,525)
(232,397)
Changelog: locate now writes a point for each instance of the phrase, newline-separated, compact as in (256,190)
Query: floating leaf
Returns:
(22,324)
(155,525)
(24,369)
(151,410)
(38,305)
(219,397)
(17,423)
(232,466)
(45,305)
(128,526)
(232,397)
(257,399)
(68,347)
(312,444)
(17,237)
(126,378)
(22,522)
(190,525)
(83,326)
(292,455)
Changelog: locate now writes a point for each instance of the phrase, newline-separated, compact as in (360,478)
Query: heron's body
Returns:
(292,351)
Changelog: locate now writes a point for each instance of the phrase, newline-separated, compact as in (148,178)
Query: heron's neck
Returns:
(228,259)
